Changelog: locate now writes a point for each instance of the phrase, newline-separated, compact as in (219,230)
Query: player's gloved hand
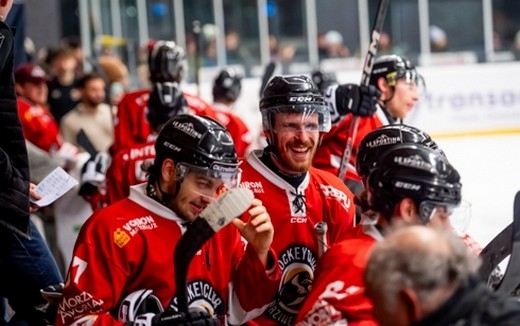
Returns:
(52,294)
(93,180)
(196,318)
(93,173)
(345,99)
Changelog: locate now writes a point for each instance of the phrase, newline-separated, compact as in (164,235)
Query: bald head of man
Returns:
(413,271)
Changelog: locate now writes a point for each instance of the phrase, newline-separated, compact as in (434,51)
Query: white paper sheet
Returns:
(53,186)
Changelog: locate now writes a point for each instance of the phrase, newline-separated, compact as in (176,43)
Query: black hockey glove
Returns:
(93,173)
(358,100)
(197,318)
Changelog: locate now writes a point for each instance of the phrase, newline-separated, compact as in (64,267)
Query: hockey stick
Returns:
(511,278)
(196,35)
(320,229)
(268,73)
(214,217)
(85,142)
(365,79)
(495,252)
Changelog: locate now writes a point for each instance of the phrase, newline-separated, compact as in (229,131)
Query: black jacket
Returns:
(14,165)
(475,305)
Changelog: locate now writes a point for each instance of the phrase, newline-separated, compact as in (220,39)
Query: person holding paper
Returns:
(26,264)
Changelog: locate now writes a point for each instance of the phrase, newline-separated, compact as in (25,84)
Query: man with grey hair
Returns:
(424,276)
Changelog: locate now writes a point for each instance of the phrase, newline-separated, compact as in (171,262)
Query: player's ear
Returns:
(168,170)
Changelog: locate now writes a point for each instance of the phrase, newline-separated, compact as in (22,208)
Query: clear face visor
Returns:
(223,176)
(411,78)
(438,214)
(313,118)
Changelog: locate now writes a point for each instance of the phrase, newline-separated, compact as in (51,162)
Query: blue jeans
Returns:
(26,266)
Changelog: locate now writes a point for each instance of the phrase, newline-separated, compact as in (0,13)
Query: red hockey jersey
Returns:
(126,169)
(294,212)
(329,154)
(337,295)
(131,127)
(239,131)
(39,126)
(129,246)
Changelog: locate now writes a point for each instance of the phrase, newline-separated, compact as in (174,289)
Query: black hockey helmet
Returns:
(393,67)
(293,94)
(323,79)
(381,139)
(228,85)
(166,61)
(166,101)
(198,144)
(417,172)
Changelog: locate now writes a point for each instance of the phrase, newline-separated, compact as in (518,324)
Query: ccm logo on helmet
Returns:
(300,99)
(407,186)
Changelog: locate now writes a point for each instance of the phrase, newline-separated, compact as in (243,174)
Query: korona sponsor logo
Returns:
(383,140)
(255,186)
(80,304)
(140,223)
(413,161)
(202,295)
(298,264)
(187,128)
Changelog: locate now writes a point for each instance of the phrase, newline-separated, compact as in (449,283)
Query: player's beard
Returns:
(295,157)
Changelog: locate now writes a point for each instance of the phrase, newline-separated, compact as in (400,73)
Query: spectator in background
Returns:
(117,76)
(38,124)
(73,43)
(335,46)
(422,276)
(26,264)
(63,95)
(438,39)
(322,46)
(516,46)
(91,114)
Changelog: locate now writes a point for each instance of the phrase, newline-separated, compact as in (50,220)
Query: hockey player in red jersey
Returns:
(411,184)
(128,246)
(399,85)
(38,124)
(166,62)
(226,90)
(296,195)
(128,166)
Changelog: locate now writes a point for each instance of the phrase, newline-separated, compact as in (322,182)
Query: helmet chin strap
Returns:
(151,189)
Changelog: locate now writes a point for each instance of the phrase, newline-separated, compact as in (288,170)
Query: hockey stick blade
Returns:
(495,252)
(365,79)
(214,217)
(85,142)
(511,278)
